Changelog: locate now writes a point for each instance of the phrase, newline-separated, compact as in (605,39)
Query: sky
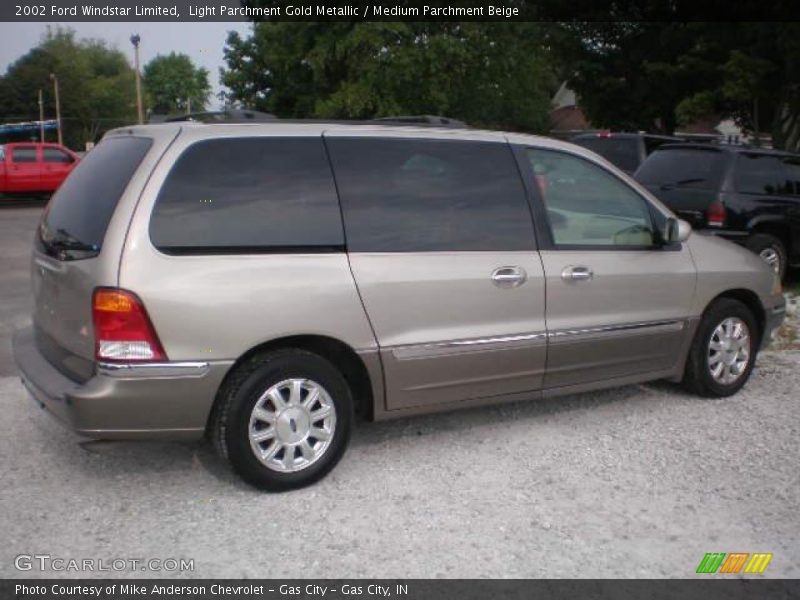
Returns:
(203,42)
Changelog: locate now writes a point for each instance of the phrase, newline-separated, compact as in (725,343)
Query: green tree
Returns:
(488,74)
(658,75)
(173,84)
(96,85)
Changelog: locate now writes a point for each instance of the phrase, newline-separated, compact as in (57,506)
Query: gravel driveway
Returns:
(639,481)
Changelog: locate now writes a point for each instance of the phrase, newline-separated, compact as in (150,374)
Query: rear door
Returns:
(441,245)
(56,165)
(617,300)
(24,168)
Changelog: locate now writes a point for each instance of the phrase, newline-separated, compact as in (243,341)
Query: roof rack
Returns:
(232,115)
(423,120)
(237,115)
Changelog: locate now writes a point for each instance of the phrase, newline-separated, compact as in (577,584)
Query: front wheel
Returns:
(723,351)
(284,419)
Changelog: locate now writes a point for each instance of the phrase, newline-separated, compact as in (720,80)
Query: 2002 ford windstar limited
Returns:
(261,283)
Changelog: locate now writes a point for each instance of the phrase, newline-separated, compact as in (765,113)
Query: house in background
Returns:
(567,119)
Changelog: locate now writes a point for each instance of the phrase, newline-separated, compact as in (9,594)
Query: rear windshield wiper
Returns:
(64,241)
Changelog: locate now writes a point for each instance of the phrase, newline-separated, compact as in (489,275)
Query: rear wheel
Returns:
(771,250)
(284,419)
(723,351)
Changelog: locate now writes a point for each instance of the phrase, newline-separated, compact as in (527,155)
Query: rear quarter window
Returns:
(82,207)
(760,174)
(249,195)
(681,167)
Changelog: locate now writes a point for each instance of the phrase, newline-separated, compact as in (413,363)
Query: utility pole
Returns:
(135,39)
(41,118)
(58,108)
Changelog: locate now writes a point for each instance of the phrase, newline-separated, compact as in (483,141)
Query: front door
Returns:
(617,297)
(441,246)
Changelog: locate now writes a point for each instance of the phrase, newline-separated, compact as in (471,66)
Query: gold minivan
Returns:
(260,283)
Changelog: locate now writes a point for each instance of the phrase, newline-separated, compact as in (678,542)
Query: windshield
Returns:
(77,216)
(683,167)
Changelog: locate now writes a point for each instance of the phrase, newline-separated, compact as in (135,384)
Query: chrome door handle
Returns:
(509,277)
(579,273)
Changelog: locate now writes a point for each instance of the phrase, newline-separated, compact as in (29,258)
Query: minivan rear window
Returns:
(78,214)
(249,195)
(683,167)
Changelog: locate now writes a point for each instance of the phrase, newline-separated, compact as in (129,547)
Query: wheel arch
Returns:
(338,353)
(776,227)
(751,300)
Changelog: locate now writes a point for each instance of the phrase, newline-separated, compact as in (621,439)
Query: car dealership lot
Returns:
(637,481)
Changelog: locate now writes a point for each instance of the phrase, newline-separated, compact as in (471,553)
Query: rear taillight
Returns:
(122,330)
(715,214)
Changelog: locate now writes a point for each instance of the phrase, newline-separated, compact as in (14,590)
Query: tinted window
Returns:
(683,167)
(54,155)
(652,143)
(759,174)
(792,171)
(23,155)
(249,194)
(82,207)
(588,206)
(621,152)
(402,195)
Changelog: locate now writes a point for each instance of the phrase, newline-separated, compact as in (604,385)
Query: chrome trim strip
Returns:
(153,370)
(659,325)
(505,342)
(468,345)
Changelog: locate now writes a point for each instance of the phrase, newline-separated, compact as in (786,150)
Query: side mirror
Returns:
(677,230)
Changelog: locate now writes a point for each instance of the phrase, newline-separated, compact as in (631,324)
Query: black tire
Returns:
(231,419)
(764,242)
(697,376)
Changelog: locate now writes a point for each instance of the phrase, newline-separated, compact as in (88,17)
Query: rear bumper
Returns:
(165,401)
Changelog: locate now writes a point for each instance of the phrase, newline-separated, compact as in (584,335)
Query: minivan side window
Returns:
(588,206)
(249,195)
(23,155)
(426,195)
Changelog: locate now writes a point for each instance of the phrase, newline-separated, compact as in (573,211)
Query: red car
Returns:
(34,168)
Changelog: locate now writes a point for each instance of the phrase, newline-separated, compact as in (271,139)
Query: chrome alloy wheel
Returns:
(772,258)
(729,351)
(292,425)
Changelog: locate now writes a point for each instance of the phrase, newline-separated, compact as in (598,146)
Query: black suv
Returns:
(748,195)
(624,150)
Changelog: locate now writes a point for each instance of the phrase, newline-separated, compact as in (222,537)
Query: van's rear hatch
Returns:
(685,178)
(70,259)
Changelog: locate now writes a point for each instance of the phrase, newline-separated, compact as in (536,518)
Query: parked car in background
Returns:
(192,279)
(624,150)
(748,195)
(33,168)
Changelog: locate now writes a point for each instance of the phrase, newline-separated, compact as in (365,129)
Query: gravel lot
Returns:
(639,481)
